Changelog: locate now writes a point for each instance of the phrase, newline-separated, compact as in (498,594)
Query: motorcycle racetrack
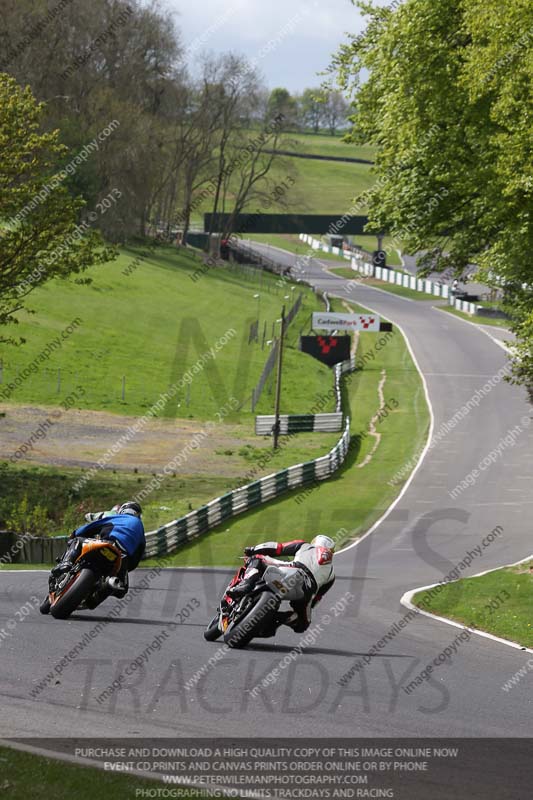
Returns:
(146,671)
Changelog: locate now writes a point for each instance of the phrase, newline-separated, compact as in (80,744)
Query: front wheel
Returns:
(44,608)
(213,632)
(252,623)
(76,591)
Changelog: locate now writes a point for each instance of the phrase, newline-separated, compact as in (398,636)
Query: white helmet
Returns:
(324,541)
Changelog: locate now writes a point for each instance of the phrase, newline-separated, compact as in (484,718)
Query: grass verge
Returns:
(402,291)
(25,775)
(497,323)
(498,602)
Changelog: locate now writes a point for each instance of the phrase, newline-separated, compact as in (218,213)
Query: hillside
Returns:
(144,324)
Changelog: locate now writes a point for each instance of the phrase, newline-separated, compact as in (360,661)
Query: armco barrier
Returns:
(402,279)
(361,256)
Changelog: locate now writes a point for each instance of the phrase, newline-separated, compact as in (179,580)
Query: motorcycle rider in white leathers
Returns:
(313,560)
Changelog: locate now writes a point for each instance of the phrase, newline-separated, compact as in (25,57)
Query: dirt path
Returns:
(74,438)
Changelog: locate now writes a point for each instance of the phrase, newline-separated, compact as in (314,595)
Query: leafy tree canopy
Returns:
(447,99)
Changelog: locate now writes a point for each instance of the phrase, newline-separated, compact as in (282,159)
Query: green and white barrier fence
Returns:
(402,279)
(464,305)
(316,244)
(300,423)
(361,264)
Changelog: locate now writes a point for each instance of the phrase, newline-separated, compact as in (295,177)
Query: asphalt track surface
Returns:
(420,541)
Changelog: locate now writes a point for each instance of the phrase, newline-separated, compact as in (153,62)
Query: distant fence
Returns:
(360,255)
(267,369)
(300,423)
(272,358)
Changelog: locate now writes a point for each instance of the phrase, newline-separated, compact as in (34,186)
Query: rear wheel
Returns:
(253,622)
(212,632)
(76,591)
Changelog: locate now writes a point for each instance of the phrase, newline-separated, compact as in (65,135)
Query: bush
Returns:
(24,519)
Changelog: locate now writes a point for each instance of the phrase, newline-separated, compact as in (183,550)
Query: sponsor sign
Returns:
(328,349)
(345,322)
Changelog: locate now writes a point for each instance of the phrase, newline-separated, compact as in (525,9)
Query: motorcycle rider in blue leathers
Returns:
(123,526)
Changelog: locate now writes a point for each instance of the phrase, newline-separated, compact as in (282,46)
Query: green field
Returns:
(357,495)
(320,187)
(324,145)
(29,776)
(498,602)
(325,187)
(150,327)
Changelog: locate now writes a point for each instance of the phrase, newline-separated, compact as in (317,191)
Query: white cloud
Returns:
(294,39)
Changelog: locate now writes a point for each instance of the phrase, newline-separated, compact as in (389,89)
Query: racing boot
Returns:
(245,586)
(67,559)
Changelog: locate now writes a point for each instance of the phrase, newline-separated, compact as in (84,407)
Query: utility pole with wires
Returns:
(276,428)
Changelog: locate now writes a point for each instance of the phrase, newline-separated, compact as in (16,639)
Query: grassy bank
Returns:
(320,187)
(140,332)
(498,602)
(359,492)
(497,323)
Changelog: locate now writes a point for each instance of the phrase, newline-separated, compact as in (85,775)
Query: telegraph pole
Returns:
(278,381)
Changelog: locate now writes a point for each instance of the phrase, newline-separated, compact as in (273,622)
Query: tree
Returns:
(92,63)
(282,104)
(335,110)
(448,103)
(40,232)
(312,109)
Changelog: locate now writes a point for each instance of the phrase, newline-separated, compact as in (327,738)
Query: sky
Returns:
(290,41)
